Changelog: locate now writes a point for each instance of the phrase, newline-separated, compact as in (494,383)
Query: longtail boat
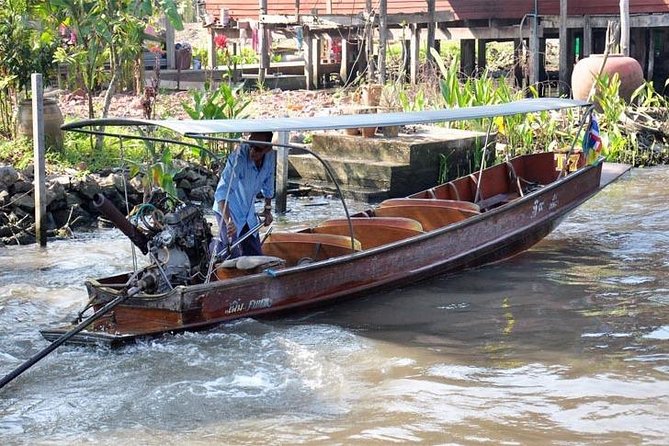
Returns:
(487,216)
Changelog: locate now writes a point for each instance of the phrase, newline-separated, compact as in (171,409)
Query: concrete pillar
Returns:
(467,56)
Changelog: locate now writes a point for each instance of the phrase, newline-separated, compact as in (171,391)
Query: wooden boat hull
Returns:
(483,238)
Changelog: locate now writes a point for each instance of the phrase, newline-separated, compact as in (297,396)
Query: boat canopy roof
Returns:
(194,128)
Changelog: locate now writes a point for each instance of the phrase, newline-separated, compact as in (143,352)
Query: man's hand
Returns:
(267,215)
(231,229)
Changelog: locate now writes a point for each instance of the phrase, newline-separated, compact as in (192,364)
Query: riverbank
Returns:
(70,198)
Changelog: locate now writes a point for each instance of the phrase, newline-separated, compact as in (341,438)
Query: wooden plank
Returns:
(644,21)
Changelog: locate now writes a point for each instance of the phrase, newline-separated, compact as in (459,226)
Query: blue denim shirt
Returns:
(245,180)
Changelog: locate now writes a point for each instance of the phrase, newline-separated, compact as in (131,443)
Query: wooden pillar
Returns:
(383,38)
(309,69)
(481,61)
(263,46)
(467,56)
(316,61)
(414,52)
(39,159)
(431,26)
(518,62)
(369,42)
(651,54)
(543,75)
(639,46)
(170,51)
(534,52)
(282,173)
(587,36)
(345,66)
(211,49)
(564,51)
(625,27)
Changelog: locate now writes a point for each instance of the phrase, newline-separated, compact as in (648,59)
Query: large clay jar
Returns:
(586,70)
(53,119)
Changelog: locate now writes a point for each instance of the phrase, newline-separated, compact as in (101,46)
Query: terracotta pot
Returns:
(371,94)
(368,132)
(352,131)
(585,71)
(53,119)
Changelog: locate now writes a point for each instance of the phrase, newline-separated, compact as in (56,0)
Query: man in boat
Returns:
(248,171)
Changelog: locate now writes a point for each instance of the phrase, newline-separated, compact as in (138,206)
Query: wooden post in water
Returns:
(38,146)
(281,173)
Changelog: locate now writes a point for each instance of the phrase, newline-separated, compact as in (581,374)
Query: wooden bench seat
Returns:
(296,247)
(430,213)
(438,202)
(372,232)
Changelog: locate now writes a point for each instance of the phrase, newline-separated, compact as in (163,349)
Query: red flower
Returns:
(221,41)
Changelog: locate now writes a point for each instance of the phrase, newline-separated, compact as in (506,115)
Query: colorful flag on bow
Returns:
(592,142)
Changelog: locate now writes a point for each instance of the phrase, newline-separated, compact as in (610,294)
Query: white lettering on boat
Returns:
(554,203)
(537,207)
(235,307)
(260,303)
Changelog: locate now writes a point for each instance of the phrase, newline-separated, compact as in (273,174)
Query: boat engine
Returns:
(176,241)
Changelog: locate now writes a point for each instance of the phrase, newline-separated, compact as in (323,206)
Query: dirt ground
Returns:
(264,104)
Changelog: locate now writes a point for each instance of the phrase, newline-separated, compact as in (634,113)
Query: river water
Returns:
(565,344)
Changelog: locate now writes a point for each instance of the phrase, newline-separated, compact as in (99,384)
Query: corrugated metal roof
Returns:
(209,127)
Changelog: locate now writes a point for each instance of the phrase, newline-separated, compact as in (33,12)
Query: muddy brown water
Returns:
(565,344)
